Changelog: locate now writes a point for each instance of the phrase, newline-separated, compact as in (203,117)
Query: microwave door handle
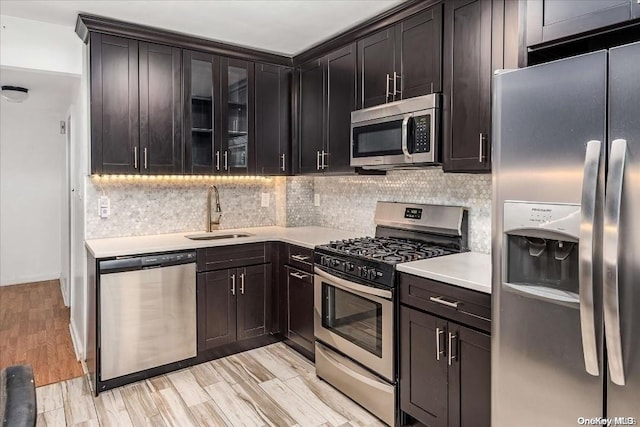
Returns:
(405,136)
(590,195)
(611,252)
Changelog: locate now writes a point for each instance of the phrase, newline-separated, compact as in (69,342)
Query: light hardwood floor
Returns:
(34,329)
(268,386)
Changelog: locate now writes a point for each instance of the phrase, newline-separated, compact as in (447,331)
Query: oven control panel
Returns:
(362,270)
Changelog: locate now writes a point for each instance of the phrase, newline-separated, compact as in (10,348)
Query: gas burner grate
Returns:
(388,249)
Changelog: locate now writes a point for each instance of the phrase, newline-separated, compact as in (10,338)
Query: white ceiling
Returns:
(51,92)
(282,26)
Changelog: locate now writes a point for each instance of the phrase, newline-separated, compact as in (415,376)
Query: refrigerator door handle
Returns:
(611,298)
(589,202)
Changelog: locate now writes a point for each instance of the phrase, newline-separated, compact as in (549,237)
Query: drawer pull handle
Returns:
(441,300)
(300,257)
(298,275)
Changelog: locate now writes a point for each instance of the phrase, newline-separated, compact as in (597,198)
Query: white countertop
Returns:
(302,236)
(471,270)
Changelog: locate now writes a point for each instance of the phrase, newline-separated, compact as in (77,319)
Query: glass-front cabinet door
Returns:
(237,84)
(202,112)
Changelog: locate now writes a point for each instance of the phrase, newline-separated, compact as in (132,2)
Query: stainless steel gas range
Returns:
(355,301)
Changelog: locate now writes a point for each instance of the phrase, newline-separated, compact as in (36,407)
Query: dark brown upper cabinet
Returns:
(555,20)
(160,109)
(340,101)
(327,98)
(473,48)
(402,61)
(136,118)
(273,120)
(115,123)
(219,110)
(201,110)
(311,116)
(236,152)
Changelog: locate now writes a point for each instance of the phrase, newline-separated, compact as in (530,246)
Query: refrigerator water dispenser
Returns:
(541,251)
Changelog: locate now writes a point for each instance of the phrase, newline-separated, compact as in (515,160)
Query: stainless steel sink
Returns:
(209,236)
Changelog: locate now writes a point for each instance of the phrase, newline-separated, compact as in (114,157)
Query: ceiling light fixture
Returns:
(15,93)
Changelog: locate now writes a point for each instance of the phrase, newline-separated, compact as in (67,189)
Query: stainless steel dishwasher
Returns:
(147,312)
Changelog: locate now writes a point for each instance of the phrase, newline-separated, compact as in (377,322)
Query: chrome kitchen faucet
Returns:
(213,223)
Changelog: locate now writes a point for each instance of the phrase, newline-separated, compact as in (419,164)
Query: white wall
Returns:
(79,166)
(39,46)
(32,162)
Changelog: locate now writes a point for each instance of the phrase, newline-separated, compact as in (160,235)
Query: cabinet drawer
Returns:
(462,305)
(300,257)
(221,257)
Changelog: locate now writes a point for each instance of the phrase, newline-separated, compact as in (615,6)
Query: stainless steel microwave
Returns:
(396,135)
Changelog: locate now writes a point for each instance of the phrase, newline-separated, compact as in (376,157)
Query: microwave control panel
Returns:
(421,135)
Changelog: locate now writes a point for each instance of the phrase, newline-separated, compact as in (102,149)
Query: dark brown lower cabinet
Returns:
(300,308)
(232,305)
(445,371)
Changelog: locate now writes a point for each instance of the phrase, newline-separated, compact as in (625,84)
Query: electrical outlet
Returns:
(265,200)
(104,207)
(316,200)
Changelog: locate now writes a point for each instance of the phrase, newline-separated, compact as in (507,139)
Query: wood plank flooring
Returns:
(34,329)
(268,386)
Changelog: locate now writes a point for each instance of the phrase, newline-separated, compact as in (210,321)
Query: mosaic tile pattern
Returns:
(348,202)
(170,207)
(280,188)
(299,200)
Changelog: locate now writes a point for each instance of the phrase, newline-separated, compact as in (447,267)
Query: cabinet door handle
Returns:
(300,257)
(441,300)
(386,96)
(396,76)
(451,356)
(298,275)
(283,163)
(135,157)
(144,152)
(217,160)
(439,351)
(242,283)
(317,160)
(233,284)
(481,149)
(226,160)
(324,165)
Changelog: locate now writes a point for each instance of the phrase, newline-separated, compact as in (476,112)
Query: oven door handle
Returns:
(350,286)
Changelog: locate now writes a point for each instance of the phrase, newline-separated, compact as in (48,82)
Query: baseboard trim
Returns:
(30,279)
(75,339)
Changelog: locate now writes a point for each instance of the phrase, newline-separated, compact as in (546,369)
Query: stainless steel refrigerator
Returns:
(566,241)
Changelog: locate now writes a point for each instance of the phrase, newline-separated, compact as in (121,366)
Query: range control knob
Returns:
(372,274)
(335,262)
(348,266)
(325,260)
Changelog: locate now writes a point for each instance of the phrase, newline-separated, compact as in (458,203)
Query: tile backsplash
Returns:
(142,208)
(346,202)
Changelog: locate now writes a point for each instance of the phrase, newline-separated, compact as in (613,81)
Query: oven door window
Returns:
(378,139)
(354,318)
